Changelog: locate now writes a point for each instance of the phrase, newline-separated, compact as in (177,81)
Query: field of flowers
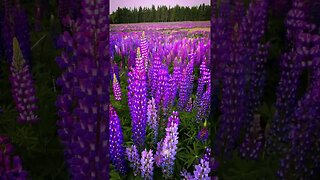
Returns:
(234,98)
(161,100)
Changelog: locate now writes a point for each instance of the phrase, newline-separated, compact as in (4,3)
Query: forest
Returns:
(161,14)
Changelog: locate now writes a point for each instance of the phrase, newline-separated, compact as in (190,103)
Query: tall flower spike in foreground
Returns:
(10,166)
(83,127)
(138,93)
(169,145)
(116,88)
(116,142)
(23,89)
(147,164)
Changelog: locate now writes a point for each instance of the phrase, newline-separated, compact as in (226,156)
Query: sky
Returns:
(114,4)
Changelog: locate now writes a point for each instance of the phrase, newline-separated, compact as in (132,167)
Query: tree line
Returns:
(161,14)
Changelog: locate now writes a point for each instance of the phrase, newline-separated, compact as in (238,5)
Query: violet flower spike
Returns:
(146,163)
(169,145)
(116,142)
(116,88)
(134,158)
(23,89)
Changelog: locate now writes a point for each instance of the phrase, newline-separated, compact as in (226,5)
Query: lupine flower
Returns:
(134,158)
(83,102)
(233,99)
(203,134)
(158,156)
(253,141)
(189,105)
(144,50)
(138,90)
(183,92)
(23,89)
(169,145)
(116,88)
(153,118)
(162,87)
(10,165)
(203,79)
(116,148)
(146,163)
(301,159)
(202,170)
(204,106)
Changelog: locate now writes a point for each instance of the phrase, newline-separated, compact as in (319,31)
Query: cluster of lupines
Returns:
(15,24)
(203,169)
(83,101)
(150,78)
(116,148)
(239,46)
(143,165)
(23,89)
(10,164)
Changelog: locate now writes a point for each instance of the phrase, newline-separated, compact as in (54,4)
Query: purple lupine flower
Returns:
(189,105)
(203,134)
(138,93)
(233,99)
(169,145)
(202,170)
(134,158)
(163,87)
(301,159)
(10,165)
(253,141)
(154,71)
(158,156)
(83,102)
(203,79)
(183,92)
(23,89)
(153,118)
(116,148)
(204,105)
(144,50)
(146,163)
(116,88)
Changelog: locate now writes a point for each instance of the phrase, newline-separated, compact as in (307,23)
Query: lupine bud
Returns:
(116,148)
(116,88)
(203,134)
(23,89)
(189,105)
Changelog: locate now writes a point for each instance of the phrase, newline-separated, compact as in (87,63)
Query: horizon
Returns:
(131,4)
